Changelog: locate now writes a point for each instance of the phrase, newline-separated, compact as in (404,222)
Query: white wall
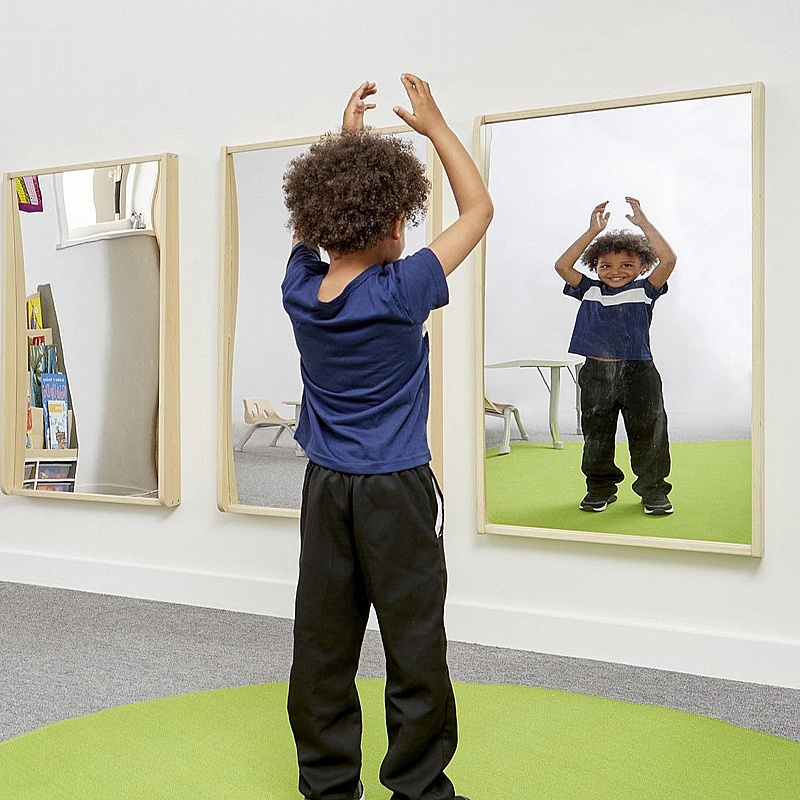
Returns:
(270,71)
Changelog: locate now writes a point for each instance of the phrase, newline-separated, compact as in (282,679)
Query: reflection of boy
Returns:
(371,516)
(612,329)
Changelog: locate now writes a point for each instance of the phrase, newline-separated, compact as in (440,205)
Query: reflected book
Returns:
(54,403)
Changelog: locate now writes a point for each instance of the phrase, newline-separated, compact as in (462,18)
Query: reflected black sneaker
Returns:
(596,502)
(657,504)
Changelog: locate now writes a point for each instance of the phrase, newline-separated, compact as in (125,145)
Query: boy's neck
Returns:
(346,268)
(382,253)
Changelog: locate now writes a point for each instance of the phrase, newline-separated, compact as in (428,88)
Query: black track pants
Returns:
(371,539)
(633,389)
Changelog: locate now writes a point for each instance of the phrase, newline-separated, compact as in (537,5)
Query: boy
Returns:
(371,515)
(612,329)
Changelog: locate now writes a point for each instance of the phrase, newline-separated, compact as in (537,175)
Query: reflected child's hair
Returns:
(622,241)
(345,193)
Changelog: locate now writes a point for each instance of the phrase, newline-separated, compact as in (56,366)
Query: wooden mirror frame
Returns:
(756,546)
(14,387)
(227,493)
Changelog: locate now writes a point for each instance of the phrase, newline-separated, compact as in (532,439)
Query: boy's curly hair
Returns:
(619,242)
(345,193)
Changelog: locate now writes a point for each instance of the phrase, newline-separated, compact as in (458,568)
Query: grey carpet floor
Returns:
(65,653)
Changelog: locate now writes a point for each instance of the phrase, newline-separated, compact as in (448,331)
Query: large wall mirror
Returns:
(694,161)
(261,467)
(91,332)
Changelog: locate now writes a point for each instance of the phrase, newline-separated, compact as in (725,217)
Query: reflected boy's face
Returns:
(618,269)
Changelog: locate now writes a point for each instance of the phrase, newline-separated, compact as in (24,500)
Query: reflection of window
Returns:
(104,202)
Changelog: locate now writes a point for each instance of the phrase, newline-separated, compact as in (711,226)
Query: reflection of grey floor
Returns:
(268,476)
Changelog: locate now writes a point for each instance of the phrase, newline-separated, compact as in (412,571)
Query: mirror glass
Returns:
(262,468)
(693,162)
(90,263)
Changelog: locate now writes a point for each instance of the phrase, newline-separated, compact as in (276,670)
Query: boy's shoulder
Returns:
(596,289)
(409,288)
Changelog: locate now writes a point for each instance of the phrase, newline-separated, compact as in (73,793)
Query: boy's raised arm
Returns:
(475,208)
(353,118)
(565,266)
(666,255)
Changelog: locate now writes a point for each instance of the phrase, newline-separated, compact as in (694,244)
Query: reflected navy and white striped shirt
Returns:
(613,322)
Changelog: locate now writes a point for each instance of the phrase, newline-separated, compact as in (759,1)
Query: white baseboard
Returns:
(700,652)
(247,594)
(718,654)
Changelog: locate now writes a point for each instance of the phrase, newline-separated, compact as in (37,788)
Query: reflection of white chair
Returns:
(506,411)
(259,413)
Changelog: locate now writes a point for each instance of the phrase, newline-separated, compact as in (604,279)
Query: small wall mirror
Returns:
(694,161)
(91,332)
(261,467)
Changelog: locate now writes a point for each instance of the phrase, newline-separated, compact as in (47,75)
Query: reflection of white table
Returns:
(296,404)
(572,365)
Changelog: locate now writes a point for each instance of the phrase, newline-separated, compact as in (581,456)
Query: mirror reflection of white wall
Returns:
(688,163)
(266,363)
(106,295)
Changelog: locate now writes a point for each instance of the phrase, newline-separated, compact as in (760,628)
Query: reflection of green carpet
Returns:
(517,743)
(537,486)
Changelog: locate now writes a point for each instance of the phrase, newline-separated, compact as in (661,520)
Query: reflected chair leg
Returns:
(277,436)
(245,438)
(505,446)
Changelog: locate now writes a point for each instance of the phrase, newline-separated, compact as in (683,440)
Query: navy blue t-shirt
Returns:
(364,361)
(613,322)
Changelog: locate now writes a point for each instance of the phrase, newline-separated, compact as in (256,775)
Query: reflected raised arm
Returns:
(666,255)
(565,266)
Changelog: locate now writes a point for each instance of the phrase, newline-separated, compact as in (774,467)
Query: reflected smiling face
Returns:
(618,269)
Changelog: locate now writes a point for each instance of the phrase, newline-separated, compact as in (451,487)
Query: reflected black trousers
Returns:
(632,389)
(371,539)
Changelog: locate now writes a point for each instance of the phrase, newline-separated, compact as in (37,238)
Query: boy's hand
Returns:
(599,219)
(353,119)
(425,116)
(665,254)
(637,217)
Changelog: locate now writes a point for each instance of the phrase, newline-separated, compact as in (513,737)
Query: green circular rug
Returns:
(517,743)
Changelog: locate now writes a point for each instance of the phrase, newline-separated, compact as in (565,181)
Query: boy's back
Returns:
(364,361)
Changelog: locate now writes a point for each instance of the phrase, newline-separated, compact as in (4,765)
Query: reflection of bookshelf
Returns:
(48,468)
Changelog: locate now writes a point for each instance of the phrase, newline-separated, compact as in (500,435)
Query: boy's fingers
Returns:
(406,116)
(364,90)
(415,82)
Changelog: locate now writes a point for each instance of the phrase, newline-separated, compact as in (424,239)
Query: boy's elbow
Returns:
(486,212)
(479,216)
